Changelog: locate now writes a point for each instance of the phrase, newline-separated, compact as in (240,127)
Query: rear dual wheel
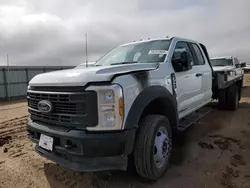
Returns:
(233,97)
(229,98)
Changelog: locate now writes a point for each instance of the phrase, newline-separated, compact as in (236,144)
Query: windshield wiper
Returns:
(124,62)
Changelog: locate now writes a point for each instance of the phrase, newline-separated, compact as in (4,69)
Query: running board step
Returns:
(192,118)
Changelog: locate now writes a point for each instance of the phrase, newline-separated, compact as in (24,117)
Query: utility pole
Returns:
(86,42)
(7,77)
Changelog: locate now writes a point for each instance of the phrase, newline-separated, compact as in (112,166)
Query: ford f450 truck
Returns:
(129,104)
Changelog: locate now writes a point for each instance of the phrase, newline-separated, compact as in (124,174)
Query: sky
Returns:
(52,32)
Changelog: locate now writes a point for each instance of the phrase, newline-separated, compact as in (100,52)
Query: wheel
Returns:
(222,98)
(153,147)
(233,97)
(240,89)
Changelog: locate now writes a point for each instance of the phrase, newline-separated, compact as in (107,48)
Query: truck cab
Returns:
(128,105)
(227,63)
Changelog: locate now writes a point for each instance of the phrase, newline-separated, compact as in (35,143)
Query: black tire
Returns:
(233,97)
(240,90)
(222,98)
(145,147)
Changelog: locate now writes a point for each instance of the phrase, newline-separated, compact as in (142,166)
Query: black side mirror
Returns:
(181,59)
(237,65)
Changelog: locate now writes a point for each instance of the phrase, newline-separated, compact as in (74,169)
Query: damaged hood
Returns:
(81,75)
(223,68)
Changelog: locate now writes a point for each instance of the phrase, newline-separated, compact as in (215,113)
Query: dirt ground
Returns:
(214,152)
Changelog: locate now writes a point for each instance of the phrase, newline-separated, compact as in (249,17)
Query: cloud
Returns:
(35,32)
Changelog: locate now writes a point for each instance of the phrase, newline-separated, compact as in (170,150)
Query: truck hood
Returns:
(81,75)
(247,67)
(223,68)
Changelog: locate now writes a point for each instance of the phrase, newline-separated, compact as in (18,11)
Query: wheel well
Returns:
(216,93)
(163,107)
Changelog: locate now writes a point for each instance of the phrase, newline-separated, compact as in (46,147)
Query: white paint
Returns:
(80,76)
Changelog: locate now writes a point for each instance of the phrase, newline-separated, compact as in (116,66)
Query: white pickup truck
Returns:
(234,68)
(129,104)
(226,63)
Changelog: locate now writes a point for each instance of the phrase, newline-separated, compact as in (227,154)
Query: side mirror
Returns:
(237,65)
(181,59)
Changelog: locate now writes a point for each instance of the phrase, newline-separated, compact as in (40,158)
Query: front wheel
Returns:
(153,147)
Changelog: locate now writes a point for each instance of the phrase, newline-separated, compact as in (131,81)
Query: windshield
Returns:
(144,52)
(221,62)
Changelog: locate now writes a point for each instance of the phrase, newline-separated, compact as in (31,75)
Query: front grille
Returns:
(69,108)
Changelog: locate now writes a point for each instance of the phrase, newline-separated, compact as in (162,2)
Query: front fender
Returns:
(147,96)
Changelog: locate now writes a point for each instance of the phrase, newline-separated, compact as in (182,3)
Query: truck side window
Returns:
(181,46)
(199,57)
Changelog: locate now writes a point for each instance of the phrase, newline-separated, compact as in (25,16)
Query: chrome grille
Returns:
(69,108)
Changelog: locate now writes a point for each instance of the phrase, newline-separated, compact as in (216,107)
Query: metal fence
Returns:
(14,80)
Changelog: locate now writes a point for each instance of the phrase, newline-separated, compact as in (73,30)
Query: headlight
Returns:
(108,96)
(231,73)
(110,107)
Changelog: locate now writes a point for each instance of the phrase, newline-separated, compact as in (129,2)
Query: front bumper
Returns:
(81,150)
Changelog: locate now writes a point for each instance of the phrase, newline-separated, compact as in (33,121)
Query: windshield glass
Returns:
(144,52)
(221,62)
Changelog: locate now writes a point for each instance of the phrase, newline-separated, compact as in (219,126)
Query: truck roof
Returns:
(160,38)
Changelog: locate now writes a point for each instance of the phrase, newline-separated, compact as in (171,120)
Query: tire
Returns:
(233,97)
(222,98)
(240,90)
(154,138)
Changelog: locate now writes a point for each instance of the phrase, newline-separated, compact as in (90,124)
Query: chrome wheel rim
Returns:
(161,147)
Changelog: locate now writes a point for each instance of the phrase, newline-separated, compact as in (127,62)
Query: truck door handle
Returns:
(198,74)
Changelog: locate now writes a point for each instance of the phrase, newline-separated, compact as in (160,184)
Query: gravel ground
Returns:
(214,152)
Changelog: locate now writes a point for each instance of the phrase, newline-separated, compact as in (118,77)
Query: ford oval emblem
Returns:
(44,106)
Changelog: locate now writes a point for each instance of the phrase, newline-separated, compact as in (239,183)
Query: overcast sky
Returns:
(51,32)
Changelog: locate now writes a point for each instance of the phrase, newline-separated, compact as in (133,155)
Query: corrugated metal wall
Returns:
(14,80)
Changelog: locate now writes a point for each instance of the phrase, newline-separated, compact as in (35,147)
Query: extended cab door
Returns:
(189,91)
(204,70)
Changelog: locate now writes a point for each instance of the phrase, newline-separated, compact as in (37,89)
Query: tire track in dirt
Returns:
(10,108)
(11,128)
(14,120)
(15,110)
(16,168)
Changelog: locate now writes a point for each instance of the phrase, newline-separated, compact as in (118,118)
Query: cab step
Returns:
(187,121)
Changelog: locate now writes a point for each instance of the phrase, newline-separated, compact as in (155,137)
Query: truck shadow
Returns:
(59,177)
